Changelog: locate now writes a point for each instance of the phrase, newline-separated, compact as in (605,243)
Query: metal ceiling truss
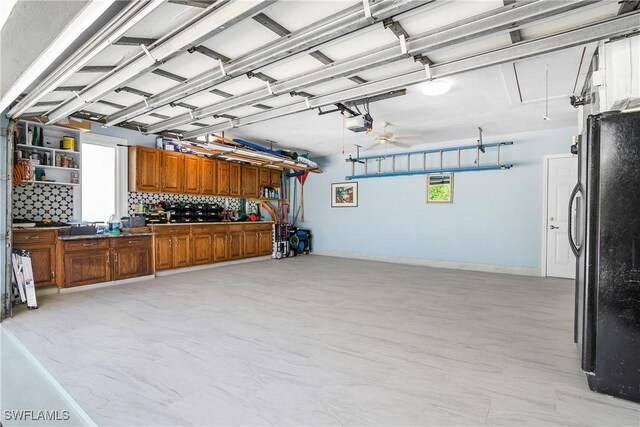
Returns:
(330,28)
(205,25)
(122,22)
(617,26)
(488,23)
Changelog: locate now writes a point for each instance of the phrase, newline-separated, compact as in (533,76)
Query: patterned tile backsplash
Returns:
(154,198)
(40,201)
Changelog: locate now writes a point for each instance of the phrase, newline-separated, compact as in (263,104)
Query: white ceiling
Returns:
(501,99)
(478,98)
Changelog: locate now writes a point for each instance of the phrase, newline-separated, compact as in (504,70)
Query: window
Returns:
(98,181)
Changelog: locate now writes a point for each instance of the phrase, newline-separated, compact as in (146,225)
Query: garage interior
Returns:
(301,212)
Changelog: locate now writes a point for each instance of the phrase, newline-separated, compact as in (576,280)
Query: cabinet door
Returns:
(83,268)
(235,179)
(250,181)
(222,178)
(207,176)
(43,264)
(264,177)
(134,261)
(191,175)
(144,169)
(251,239)
(265,243)
(172,164)
(234,246)
(164,253)
(220,247)
(275,179)
(201,249)
(181,251)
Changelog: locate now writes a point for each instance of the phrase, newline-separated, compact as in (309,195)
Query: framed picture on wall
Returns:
(440,188)
(344,195)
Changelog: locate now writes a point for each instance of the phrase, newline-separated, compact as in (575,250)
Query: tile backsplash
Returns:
(39,201)
(153,198)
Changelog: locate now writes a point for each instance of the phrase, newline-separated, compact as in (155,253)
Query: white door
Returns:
(562,176)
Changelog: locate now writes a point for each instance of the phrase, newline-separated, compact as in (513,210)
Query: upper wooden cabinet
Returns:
(191,175)
(275,178)
(235,179)
(222,178)
(172,171)
(207,176)
(264,177)
(144,169)
(250,181)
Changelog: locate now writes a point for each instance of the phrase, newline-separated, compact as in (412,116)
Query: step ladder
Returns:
(417,162)
(23,283)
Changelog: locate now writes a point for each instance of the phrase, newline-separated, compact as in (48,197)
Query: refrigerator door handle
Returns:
(572,243)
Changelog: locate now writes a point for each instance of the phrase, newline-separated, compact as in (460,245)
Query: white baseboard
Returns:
(105,284)
(208,266)
(486,268)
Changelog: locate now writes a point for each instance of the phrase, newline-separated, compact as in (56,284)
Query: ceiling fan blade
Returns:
(399,144)
(375,145)
(411,136)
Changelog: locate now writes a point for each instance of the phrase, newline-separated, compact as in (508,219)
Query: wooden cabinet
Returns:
(172,248)
(265,242)
(235,179)
(163,250)
(131,257)
(86,261)
(207,176)
(251,243)
(222,178)
(42,244)
(144,169)
(191,175)
(201,244)
(264,177)
(250,181)
(172,171)
(220,245)
(234,245)
(275,178)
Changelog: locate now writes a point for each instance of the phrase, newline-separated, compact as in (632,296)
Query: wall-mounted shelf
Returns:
(60,168)
(51,183)
(426,168)
(51,150)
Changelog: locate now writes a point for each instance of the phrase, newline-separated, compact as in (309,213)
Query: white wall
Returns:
(495,220)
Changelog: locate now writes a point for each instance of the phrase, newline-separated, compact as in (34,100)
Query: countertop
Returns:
(104,236)
(173,224)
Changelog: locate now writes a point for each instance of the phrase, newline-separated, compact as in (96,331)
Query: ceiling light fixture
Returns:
(435,87)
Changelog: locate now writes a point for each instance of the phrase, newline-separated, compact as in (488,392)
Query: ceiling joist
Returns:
(345,22)
(585,34)
(492,22)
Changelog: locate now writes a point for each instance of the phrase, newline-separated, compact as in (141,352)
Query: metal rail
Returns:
(617,26)
(498,21)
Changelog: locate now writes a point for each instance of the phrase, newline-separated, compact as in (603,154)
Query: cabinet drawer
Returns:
(235,227)
(133,241)
(257,227)
(88,244)
(36,236)
(201,229)
(169,229)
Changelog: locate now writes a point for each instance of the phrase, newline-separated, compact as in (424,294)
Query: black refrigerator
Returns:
(606,241)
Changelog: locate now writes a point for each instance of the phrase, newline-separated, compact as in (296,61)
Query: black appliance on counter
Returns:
(607,246)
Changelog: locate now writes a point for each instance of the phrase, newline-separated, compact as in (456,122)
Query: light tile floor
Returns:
(321,341)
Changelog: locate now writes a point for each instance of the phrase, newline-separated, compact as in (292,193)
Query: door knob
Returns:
(553,227)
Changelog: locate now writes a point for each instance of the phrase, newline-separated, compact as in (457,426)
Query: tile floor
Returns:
(321,341)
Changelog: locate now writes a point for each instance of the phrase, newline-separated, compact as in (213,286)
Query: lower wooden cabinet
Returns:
(201,249)
(87,261)
(131,257)
(183,245)
(42,244)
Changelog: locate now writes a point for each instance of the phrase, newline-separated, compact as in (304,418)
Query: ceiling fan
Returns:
(386,138)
